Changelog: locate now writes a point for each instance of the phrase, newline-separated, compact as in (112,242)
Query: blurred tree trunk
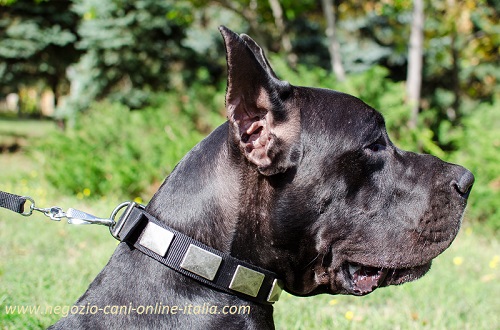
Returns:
(455,71)
(415,59)
(285,37)
(333,44)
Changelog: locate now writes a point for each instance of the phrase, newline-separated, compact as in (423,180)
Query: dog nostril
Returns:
(464,184)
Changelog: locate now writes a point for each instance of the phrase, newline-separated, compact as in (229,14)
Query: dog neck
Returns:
(200,198)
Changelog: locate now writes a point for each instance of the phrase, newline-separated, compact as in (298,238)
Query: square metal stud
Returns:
(201,262)
(276,290)
(247,281)
(156,238)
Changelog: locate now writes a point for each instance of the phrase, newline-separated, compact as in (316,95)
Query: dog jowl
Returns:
(301,181)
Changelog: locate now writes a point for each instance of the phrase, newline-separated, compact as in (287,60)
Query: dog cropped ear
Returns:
(267,132)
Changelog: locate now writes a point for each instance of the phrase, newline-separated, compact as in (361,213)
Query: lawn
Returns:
(51,264)
(45,263)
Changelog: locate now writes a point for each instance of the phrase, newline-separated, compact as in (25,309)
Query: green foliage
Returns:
(302,75)
(204,105)
(479,152)
(115,151)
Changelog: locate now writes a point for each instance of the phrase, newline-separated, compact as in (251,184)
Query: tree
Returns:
(415,59)
(282,31)
(333,44)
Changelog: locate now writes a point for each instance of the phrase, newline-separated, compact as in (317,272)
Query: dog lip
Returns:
(403,275)
(361,279)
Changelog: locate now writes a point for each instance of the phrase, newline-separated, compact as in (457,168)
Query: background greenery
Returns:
(138,83)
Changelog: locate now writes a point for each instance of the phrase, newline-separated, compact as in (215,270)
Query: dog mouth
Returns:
(361,279)
(365,279)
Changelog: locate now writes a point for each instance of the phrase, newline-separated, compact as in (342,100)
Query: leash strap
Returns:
(12,202)
(194,259)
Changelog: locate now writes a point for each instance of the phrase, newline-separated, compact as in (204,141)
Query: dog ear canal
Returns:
(259,121)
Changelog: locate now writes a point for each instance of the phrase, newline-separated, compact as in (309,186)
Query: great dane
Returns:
(301,182)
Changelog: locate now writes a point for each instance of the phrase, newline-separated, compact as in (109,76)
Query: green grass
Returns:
(51,264)
(26,127)
(47,264)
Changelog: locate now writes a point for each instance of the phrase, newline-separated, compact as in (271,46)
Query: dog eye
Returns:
(377,146)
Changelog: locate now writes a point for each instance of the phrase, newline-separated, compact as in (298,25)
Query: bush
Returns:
(113,150)
(479,152)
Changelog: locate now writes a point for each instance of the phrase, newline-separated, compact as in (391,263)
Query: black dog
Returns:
(302,182)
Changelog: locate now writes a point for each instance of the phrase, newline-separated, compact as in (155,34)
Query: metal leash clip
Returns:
(75,217)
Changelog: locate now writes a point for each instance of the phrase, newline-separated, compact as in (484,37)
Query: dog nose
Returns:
(464,183)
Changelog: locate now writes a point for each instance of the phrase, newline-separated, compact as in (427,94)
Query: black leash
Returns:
(17,204)
(12,202)
(173,249)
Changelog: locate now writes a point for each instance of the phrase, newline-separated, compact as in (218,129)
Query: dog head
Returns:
(331,204)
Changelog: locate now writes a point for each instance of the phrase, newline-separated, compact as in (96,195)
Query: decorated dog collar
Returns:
(194,259)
